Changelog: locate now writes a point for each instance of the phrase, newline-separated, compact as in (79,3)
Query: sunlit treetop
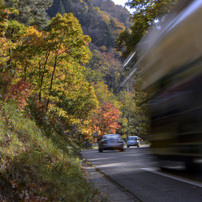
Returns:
(146,13)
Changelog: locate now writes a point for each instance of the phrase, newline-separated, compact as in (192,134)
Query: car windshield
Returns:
(111,136)
(132,138)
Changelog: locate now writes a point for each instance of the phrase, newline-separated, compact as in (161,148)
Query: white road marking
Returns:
(198,184)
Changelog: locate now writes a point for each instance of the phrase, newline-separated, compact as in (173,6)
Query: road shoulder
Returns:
(109,192)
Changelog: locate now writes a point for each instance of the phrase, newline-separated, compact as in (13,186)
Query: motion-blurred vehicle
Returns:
(170,68)
(173,77)
(111,142)
(133,141)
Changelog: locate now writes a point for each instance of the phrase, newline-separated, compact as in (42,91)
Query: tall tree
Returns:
(48,66)
(52,61)
(103,94)
(134,120)
(146,13)
(106,63)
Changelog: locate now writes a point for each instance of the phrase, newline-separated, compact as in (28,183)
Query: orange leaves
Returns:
(47,65)
(105,118)
(49,60)
(6,13)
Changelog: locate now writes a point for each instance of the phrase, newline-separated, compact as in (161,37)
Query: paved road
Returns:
(135,170)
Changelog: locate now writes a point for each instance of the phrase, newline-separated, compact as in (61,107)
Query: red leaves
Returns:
(105,118)
(41,108)
(20,92)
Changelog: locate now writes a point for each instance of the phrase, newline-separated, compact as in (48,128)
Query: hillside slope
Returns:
(101,20)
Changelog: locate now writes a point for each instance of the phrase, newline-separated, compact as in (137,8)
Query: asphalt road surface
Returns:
(136,171)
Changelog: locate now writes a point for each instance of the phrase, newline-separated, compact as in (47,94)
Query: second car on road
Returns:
(133,141)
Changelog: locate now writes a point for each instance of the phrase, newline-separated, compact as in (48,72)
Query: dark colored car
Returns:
(133,141)
(111,142)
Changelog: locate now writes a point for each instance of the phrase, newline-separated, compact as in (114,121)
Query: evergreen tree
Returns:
(31,12)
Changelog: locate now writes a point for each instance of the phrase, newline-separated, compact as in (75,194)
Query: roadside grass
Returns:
(38,167)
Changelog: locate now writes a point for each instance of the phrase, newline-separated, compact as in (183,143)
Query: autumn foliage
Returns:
(19,92)
(49,107)
(105,119)
(42,94)
(44,68)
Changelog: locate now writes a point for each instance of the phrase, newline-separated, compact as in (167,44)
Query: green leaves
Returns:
(32,12)
(37,165)
(134,120)
(146,13)
(50,62)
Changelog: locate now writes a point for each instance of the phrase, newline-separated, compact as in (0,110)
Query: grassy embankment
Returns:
(38,164)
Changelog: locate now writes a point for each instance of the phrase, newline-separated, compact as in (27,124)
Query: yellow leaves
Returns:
(62,76)
(32,32)
(62,113)
(4,50)
(34,37)
(3,43)
(51,61)
(53,109)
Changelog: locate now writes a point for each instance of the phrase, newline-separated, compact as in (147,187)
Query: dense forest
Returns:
(101,20)
(59,73)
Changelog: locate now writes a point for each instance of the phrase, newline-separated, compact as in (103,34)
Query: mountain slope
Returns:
(101,20)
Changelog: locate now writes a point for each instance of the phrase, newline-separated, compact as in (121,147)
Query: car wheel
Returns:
(191,167)
(100,150)
(121,150)
(127,146)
